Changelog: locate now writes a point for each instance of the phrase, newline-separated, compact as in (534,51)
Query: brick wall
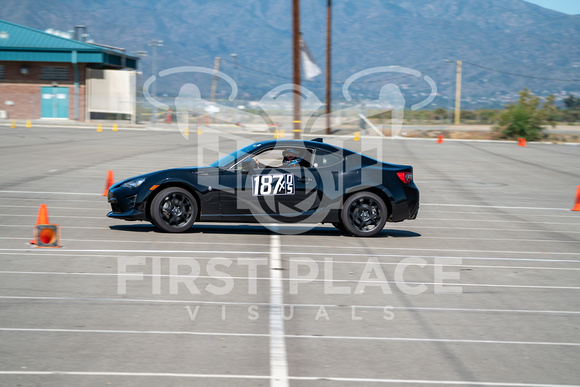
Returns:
(20,94)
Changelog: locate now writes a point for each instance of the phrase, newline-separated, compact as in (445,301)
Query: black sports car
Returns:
(276,181)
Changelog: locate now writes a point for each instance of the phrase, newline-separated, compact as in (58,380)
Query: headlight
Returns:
(133,183)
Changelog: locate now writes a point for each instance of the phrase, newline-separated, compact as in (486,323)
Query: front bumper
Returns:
(125,206)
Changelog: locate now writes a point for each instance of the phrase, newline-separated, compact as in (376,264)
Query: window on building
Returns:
(51,73)
(2,72)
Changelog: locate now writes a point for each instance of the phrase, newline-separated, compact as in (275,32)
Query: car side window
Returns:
(270,159)
(324,158)
(285,157)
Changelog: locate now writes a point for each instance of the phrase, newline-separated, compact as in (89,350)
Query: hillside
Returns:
(510,36)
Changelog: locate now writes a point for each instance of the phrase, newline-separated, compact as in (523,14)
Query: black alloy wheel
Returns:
(364,214)
(174,210)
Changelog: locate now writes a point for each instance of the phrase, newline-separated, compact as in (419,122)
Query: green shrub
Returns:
(527,118)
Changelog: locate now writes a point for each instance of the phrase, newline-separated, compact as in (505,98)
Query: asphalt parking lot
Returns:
(482,289)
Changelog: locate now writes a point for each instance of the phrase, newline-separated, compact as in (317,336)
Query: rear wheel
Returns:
(364,214)
(174,210)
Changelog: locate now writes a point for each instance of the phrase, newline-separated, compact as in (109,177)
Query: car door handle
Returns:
(304,179)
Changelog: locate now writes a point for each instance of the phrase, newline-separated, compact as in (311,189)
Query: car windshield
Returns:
(234,156)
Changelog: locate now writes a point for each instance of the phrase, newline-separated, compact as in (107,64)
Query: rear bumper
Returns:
(415,213)
(408,207)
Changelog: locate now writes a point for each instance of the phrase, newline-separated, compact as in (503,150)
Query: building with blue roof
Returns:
(47,76)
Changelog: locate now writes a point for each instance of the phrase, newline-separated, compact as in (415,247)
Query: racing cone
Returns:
(109,182)
(48,235)
(440,139)
(577,201)
(42,218)
(45,234)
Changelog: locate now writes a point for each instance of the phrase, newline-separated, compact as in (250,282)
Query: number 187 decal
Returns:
(279,184)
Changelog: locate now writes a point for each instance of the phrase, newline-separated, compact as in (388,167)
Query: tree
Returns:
(572,111)
(526,118)
(572,102)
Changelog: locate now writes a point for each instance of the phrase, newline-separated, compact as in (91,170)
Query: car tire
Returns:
(174,210)
(364,214)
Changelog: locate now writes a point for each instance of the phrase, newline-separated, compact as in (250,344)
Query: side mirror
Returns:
(249,164)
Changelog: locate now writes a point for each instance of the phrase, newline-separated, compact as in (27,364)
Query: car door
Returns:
(270,190)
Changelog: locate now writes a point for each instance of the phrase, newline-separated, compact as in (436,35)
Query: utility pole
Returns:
(328,61)
(154,44)
(296,67)
(139,81)
(458,93)
(216,68)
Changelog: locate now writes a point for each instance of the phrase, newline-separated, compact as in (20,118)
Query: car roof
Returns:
(301,143)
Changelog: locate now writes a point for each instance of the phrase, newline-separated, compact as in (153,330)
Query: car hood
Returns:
(168,173)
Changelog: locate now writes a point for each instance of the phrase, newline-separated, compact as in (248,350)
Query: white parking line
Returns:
(277,297)
(297,378)
(317,306)
(121,251)
(496,207)
(146,374)
(461,228)
(446,211)
(431,382)
(50,193)
(52,216)
(44,254)
(280,371)
(55,207)
(448,237)
(502,221)
(278,361)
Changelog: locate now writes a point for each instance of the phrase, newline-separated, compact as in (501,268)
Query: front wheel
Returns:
(174,210)
(364,214)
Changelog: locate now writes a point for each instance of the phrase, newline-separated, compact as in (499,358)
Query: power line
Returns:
(407,75)
(256,71)
(334,82)
(521,75)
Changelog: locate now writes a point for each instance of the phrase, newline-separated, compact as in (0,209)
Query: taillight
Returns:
(405,177)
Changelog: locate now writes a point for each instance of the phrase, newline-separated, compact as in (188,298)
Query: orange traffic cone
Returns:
(48,235)
(109,182)
(440,139)
(42,218)
(577,201)
(522,141)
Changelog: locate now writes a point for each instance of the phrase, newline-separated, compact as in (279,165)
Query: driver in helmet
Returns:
(291,158)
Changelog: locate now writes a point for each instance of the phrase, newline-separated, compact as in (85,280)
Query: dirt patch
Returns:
(480,135)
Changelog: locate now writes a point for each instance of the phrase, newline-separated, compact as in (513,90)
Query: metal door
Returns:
(54,102)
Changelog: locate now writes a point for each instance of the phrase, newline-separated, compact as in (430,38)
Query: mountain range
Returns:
(505,45)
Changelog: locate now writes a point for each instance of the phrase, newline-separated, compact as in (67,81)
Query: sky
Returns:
(571,7)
